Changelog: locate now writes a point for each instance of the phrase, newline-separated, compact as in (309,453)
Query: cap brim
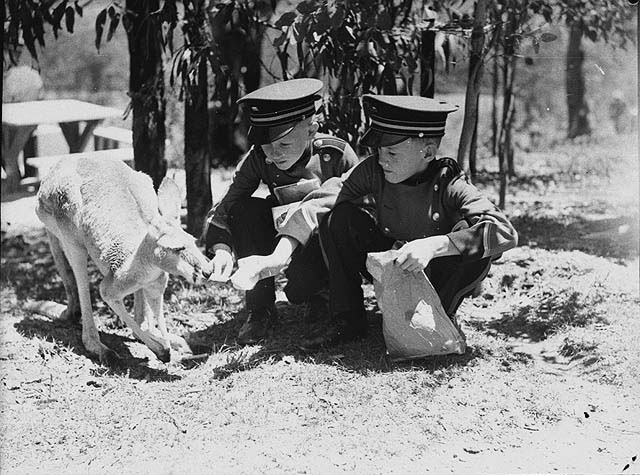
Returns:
(374,138)
(263,135)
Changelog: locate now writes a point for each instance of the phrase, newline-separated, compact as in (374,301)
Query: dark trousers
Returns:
(253,233)
(348,233)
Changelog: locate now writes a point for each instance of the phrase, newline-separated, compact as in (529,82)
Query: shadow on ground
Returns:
(362,356)
(612,237)
(29,273)
(69,335)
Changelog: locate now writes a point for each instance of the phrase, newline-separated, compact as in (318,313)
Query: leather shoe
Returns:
(343,328)
(258,322)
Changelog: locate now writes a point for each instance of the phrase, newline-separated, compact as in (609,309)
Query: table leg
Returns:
(71,132)
(13,141)
(87,133)
(78,142)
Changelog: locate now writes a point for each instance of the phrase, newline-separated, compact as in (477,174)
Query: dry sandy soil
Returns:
(549,382)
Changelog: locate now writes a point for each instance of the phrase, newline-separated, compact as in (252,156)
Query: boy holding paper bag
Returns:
(292,159)
(425,208)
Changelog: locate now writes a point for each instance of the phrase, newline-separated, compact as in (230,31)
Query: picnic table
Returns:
(20,119)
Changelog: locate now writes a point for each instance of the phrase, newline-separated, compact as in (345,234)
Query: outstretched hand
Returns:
(253,269)
(415,255)
(222,266)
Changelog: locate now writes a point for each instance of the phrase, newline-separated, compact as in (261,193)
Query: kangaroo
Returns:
(106,210)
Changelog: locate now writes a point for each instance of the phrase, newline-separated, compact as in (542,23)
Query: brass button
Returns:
(436,217)
(326,157)
(436,187)
(387,230)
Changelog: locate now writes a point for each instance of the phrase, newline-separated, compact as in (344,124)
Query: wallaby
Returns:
(106,210)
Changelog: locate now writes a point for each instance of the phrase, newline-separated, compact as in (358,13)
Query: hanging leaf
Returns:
(112,26)
(27,35)
(58,13)
(38,27)
(286,19)
(70,16)
(548,37)
(100,21)
(306,7)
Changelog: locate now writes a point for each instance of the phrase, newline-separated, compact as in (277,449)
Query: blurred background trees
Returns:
(189,61)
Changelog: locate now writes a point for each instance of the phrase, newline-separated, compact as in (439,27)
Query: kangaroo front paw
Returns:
(105,355)
(179,345)
(160,347)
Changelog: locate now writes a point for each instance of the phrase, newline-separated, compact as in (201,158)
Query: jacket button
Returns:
(435,187)
(326,157)
(436,216)
(387,230)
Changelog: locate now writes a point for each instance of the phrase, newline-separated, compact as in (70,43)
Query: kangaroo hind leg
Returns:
(72,312)
(77,258)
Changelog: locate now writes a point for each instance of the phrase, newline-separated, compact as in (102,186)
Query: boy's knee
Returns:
(249,209)
(340,217)
(295,293)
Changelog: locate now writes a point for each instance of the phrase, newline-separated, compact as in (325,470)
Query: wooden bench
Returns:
(44,163)
(109,137)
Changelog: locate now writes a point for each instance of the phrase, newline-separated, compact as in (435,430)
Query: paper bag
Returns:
(414,323)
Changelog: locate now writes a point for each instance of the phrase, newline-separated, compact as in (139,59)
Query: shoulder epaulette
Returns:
(448,164)
(330,142)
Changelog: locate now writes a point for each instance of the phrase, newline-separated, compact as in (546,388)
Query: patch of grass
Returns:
(572,347)
(548,312)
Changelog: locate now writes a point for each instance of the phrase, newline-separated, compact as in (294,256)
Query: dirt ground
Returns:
(549,383)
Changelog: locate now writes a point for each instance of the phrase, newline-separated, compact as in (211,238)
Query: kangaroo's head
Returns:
(176,251)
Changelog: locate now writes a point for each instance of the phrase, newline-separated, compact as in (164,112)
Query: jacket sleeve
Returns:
(246,180)
(303,220)
(488,232)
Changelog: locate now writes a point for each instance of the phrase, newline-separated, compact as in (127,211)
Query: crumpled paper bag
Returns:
(414,323)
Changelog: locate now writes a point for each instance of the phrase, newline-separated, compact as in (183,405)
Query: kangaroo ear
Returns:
(170,242)
(169,199)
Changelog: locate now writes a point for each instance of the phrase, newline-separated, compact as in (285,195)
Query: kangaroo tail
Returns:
(46,308)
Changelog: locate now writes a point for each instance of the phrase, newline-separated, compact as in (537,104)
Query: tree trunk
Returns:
(494,105)
(578,110)
(427,63)
(146,89)
(473,152)
(508,75)
(196,153)
(473,86)
(509,139)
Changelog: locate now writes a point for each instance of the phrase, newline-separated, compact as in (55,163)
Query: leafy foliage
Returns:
(361,46)
(25,22)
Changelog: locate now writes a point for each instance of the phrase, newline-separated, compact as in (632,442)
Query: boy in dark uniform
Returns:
(286,149)
(424,206)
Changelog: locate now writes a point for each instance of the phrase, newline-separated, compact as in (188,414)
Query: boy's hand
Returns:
(255,268)
(415,255)
(222,266)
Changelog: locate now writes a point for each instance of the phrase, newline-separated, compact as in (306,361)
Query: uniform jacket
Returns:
(439,201)
(326,157)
